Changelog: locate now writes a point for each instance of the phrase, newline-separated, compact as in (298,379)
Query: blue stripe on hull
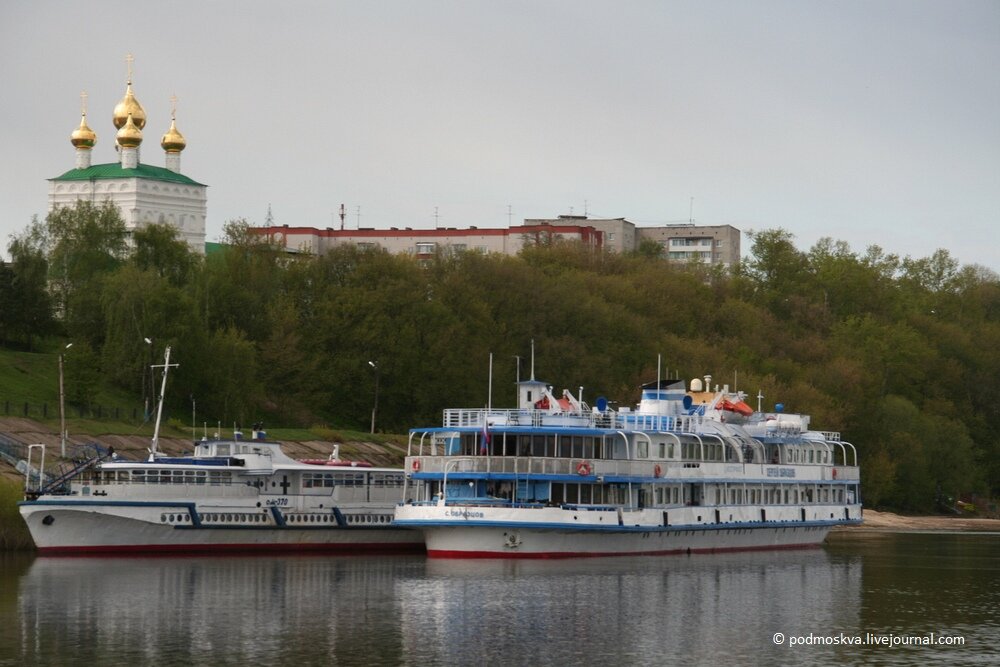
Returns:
(416,523)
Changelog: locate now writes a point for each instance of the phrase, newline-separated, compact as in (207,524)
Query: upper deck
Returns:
(457,419)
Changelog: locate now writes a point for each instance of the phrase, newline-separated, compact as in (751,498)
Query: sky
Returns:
(871,122)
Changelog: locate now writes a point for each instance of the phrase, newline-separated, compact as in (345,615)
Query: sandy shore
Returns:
(889,522)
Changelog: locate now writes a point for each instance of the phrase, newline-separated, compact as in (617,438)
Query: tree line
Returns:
(901,355)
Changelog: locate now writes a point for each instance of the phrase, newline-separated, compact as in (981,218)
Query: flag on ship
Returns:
(485,440)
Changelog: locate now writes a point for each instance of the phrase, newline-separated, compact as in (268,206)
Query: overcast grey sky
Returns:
(874,122)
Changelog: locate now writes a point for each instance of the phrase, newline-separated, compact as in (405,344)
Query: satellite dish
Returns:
(602,404)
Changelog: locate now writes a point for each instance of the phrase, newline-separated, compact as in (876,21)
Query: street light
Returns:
(62,404)
(374,365)
(152,382)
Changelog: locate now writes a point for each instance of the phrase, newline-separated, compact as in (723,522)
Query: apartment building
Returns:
(718,244)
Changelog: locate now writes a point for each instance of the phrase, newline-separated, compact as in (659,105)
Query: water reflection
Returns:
(638,609)
(409,610)
(235,610)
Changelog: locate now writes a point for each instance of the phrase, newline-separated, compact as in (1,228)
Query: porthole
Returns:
(163,518)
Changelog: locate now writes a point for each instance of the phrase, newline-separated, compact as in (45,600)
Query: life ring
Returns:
(583,468)
(657,470)
(835,473)
(416,465)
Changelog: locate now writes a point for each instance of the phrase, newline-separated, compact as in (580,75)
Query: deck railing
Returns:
(694,470)
(476,418)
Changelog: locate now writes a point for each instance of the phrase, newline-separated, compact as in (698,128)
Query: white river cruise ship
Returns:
(690,470)
(228,495)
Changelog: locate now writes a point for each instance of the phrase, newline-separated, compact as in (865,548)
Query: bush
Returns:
(14,533)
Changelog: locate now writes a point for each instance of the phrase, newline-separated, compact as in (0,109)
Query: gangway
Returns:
(47,484)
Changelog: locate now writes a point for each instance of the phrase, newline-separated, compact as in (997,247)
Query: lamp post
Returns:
(62,404)
(374,365)
(152,382)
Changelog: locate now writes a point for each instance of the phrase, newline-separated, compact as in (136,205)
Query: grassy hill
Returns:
(32,379)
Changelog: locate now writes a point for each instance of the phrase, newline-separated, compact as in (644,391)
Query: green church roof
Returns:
(100,172)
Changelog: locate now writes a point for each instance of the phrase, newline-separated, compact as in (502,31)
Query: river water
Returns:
(406,610)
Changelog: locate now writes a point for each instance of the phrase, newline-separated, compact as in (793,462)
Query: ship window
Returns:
(349,479)
(643,449)
(222,450)
(578,450)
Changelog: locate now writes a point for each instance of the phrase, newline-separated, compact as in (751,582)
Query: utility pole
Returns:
(374,365)
(62,406)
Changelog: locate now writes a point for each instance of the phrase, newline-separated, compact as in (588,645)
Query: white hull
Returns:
(472,542)
(118,528)
(483,532)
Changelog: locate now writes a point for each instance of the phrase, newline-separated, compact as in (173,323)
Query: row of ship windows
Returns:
(317,479)
(166,476)
(715,452)
(216,477)
(586,494)
(588,448)
(213,517)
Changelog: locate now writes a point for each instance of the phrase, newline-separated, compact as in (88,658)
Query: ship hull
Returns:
(476,532)
(68,528)
(514,542)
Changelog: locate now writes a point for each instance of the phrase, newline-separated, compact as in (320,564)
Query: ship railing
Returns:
(640,421)
(627,420)
(477,418)
(519,465)
(586,468)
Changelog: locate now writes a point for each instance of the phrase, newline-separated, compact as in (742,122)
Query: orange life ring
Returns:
(657,470)
(583,468)
(416,465)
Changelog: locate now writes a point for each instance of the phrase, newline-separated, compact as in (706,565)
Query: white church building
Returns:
(144,193)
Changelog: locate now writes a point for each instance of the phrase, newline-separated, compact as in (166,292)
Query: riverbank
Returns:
(887,522)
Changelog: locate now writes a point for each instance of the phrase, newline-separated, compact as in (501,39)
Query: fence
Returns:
(17,408)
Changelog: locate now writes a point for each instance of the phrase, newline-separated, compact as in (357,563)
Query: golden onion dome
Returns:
(173,141)
(83,136)
(129,106)
(129,136)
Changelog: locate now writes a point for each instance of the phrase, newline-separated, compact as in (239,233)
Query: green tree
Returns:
(238,284)
(86,243)
(139,305)
(27,307)
(159,248)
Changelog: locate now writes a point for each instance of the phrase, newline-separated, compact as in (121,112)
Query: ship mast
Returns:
(166,365)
